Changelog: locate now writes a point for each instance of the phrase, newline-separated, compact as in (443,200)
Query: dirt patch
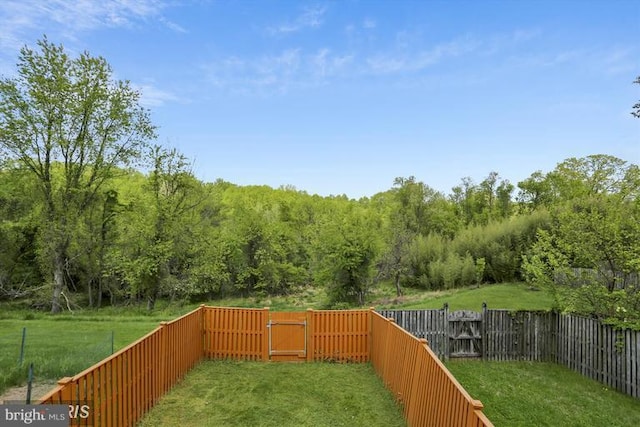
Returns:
(19,394)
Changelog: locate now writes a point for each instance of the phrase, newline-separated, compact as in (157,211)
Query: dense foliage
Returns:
(80,226)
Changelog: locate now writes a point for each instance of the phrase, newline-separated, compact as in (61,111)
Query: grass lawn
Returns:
(64,345)
(543,394)
(228,393)
(511,296)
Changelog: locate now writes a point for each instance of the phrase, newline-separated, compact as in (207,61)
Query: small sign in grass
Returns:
(230,393)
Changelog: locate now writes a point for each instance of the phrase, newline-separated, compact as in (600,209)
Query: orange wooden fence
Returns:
(340,335)
(426,390)
(120,389)
(258,334)
(236,333)
(123,387)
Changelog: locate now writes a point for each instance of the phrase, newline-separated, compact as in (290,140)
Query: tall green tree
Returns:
(19,273)
(578,178)
(534,191)
(71,112)
(590,254)
(416,210)
(346,250)
(158,232)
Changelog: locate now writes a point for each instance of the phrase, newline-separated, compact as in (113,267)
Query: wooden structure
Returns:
(464,334)
(585,345)
(122,388)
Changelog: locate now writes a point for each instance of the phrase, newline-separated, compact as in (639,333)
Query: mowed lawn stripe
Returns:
(232,393)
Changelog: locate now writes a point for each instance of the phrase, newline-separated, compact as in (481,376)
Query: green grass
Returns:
(514,393)
(61,346)
(308,297)
(512,296)
(65,344)
(227,393)
(543,394)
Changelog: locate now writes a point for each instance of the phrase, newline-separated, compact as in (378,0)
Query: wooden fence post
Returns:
(483,332)
(371,311)
(472,418)
(310,335)
(445,309)
(66,393)
(265,334)
(202,330)
(164,359)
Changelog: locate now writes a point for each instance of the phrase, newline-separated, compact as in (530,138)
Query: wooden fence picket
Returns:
(584,345)
(126,385)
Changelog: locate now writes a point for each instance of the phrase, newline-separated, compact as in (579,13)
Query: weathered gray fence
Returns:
(518,335)
(428,324)
(584,345)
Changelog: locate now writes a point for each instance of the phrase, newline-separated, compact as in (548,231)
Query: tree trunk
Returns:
(153,285)
(58,281)
(398,288)
(90,292)
(361,298)
(99,296)
(150,303)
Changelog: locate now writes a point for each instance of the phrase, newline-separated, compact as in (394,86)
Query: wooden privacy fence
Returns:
(313,335)
(428,393)
(587,346)
(122,388)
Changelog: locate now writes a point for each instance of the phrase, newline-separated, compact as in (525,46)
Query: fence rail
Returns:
(426,390)
(124,386)
(342,335)
(235,333)
(587,346)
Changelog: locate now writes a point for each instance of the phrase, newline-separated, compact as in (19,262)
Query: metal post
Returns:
(29,383)
(112,348)
(24,337)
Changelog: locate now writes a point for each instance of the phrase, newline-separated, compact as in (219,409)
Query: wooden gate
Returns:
(465,334)
(287,336)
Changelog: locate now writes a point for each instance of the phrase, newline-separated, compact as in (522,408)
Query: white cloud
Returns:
(19,18)
(152,96)
(369,24)
(172,25)
(386,64)
(295,68)
(406,57)
(324,64)
(277,73)
(311,17)
(242,76)
(609,60)
(620,60)
(403,59)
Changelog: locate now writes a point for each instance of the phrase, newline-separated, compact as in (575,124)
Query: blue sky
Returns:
(342,97)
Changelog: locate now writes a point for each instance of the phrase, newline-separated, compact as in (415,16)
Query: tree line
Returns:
(93,212)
